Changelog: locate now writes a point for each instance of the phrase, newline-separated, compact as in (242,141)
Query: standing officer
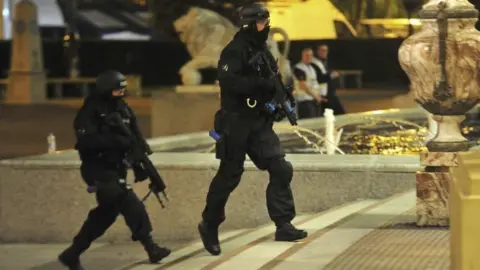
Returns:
(245,127)
(102,149)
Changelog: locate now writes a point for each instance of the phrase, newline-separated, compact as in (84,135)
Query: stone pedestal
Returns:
(433,188)
(27,82)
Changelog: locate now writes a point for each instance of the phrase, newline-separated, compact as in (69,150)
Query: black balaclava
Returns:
(262,36)
(259,37)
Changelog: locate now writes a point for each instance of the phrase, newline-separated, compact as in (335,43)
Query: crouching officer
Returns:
(244,127)
(102,149)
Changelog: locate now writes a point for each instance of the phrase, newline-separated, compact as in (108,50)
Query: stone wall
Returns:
(176,113)
(43,199)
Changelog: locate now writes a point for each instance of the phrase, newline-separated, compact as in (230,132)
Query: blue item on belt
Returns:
(214,134)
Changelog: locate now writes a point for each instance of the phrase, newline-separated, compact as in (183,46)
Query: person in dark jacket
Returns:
(102,149)
(245,127)
(329,77)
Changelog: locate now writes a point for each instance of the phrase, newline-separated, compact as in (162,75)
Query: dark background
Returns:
(158,63)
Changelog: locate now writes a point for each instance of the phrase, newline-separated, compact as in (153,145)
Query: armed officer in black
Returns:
(102,149)
(245,127)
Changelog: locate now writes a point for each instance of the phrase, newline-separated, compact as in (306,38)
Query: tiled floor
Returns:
(364,235)
(398,246)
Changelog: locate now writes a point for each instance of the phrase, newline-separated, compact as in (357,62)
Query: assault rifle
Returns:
(283,98)
(138,159)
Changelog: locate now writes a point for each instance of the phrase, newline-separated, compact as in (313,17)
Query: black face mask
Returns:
(259,37)
(109,97)
(262,36)
(116,98)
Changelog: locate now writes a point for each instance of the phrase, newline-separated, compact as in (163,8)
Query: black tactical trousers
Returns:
(256,138)
(114,197)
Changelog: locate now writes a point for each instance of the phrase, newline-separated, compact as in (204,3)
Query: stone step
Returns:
(330,234)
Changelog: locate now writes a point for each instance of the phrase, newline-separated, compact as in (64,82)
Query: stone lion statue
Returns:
(205,33)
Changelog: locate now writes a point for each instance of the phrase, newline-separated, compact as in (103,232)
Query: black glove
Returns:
(148,150)
(293,103)
(140,173)
(279,115)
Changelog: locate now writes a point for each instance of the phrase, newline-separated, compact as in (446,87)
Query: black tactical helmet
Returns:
(253,13)
(110,80)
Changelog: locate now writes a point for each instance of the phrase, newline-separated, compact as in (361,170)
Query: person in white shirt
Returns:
(327,78)
(307,93)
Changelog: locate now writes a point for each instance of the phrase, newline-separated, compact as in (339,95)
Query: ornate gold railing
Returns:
(465,212)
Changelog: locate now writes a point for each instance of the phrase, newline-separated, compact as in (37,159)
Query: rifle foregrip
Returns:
(255,58)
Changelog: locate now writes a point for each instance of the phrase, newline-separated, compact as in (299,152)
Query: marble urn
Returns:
(442,61)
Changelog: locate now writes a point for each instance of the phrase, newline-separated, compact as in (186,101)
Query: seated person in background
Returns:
(307,93)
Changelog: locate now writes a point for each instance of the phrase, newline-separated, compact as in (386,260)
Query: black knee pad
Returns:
(281,170)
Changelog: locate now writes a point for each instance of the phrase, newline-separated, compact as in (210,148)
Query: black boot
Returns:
(209,235)
(71,258)
(155,252)
(287,232)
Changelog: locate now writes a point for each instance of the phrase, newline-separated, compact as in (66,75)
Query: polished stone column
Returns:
(27,82)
